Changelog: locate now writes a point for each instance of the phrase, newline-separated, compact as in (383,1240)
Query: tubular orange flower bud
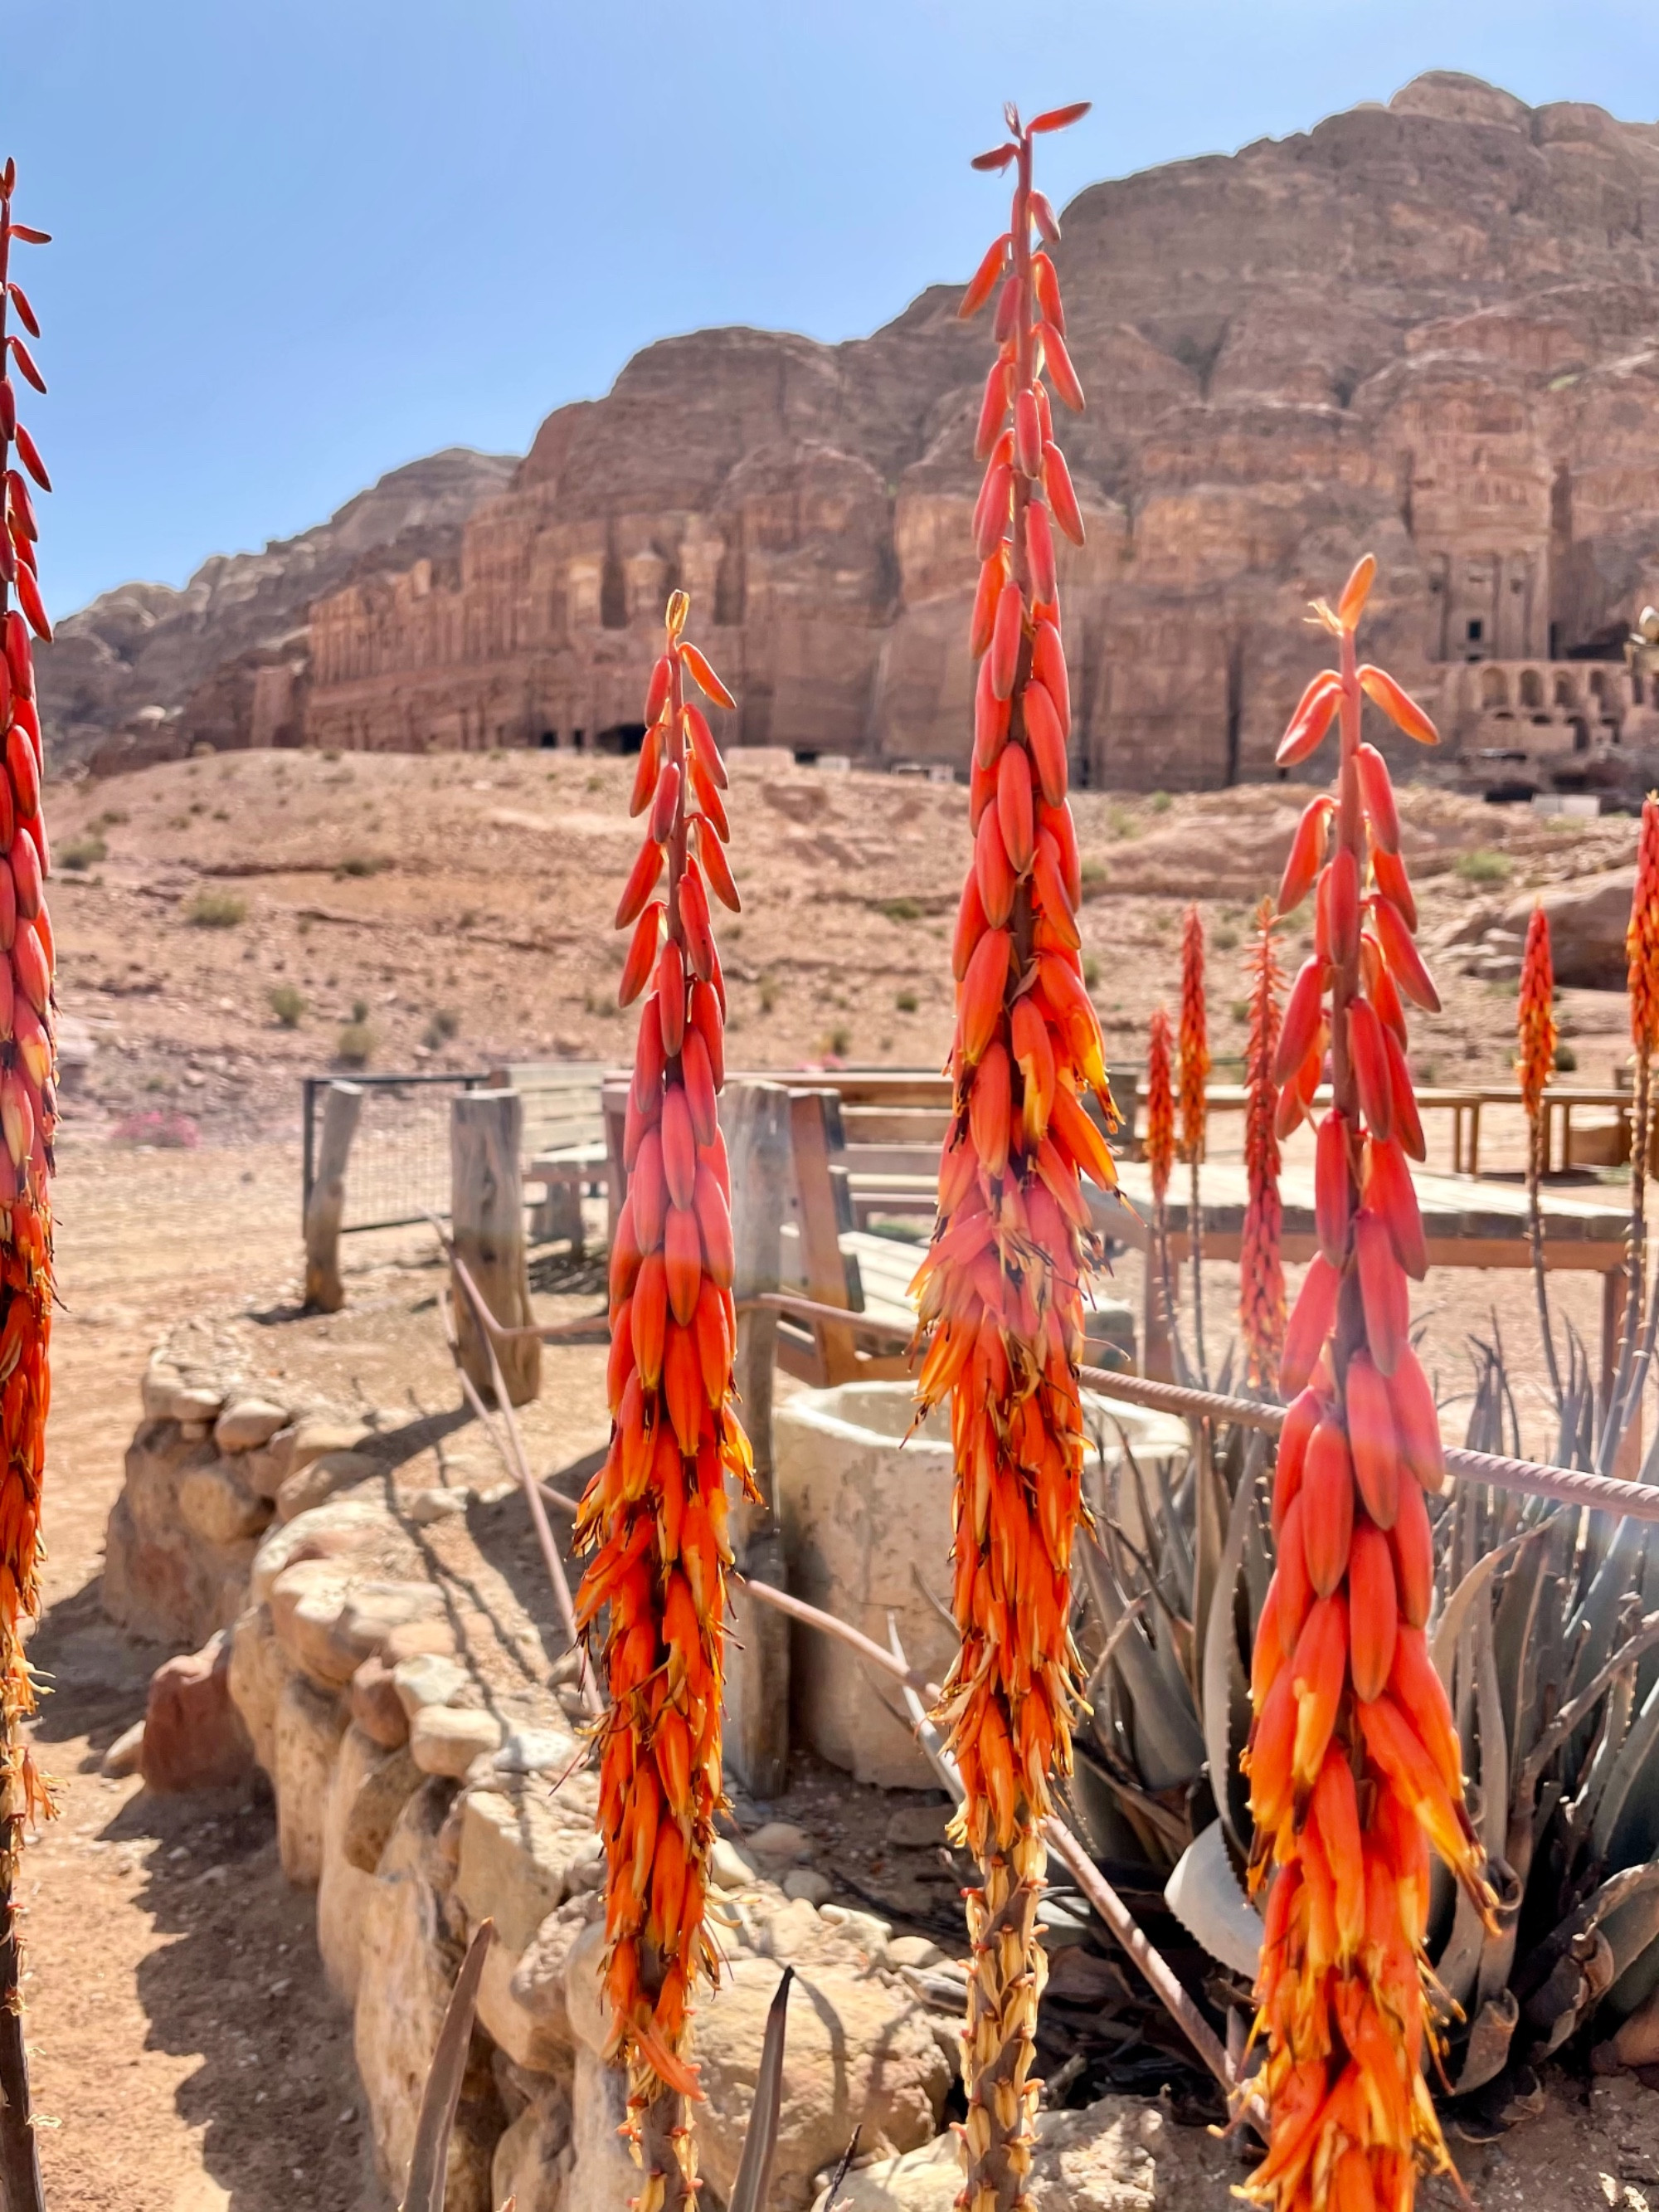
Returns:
(1261,1271)
(1354,1526)
(1160,1107)
(653,1514)
(1194,1066)
(1000,1292)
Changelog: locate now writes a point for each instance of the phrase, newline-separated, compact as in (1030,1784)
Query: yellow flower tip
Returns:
(1355,591)
(679,606)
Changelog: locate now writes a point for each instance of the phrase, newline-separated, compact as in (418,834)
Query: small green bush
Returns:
(902,909)
(355,1045)
(82,852)
(288,1005)
(1566,1059)
(363,864)
(906,1001)
(217,910)
(360,1011)
(1090,971)
(1161,802)
(444,1024)
(1483,865)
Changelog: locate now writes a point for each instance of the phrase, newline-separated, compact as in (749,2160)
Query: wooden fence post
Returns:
(342,1107)
(756,1118)
(486,1128)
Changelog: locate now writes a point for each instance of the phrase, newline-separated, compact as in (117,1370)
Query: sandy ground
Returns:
(185,2048)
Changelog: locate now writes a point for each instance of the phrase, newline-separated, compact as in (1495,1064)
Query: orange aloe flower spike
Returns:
(654,1515)
(1352,1717)
(999,1294)
(1261,1270)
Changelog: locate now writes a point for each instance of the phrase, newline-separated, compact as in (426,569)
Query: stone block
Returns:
(533,2158)
(194,1737)
(345,1528)
(929,2180)
(258,1671)
(521,2001)
(376,1707)
(602,2176)
(409,1954)
(306,1601)
(309,1726)
(860,2054)
(218,1505)
(429,1678)
(446,1739)
(343,1883)
(195,1404)
(247,1423)
(517,1846)
(160,1383)
(385,1789)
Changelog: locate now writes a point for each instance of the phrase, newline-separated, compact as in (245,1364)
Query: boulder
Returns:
(161,1580)
(929,2180)
(522,2002)
(429,1678)
(313,1484)
(1588,919)
(602,2176)
(860,2054)
(1121,2154)
(409,1952)
(309,1726)
(194,1737)
(387,1787)
(518,1842)
(306,1601)
(533,2159)
(446,1739)
(257,1673)
(343,1883)
(218,1505)
(246,1423)
(376,1707)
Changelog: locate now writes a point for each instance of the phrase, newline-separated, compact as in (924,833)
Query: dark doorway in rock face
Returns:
(1235,709)
(550,741)
(620,737)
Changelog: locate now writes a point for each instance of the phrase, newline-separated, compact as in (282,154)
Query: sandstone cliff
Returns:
(1431,328)
(145,669)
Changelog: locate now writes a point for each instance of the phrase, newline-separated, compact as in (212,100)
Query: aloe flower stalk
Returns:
(29,1113)
(1536,1033)
(999,1294)
(655,1514)
(1160,1156)
(1354,1764)
(1194,1061)
(1642,959)
(1260,1268)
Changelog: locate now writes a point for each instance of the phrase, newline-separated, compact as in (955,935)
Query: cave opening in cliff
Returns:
(620,737)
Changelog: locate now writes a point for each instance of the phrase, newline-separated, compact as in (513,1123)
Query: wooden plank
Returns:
(896,1125)
(342,1107)
(815,1132)
(486,1209)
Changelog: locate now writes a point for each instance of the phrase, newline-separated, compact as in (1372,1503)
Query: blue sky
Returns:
(297,245)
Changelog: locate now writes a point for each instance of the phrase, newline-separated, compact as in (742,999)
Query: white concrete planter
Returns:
(861,1508)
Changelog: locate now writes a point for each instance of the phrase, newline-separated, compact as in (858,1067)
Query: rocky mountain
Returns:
(1431,328)
(151,668)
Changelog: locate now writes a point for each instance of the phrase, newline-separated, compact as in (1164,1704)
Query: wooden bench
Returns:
(565,1149)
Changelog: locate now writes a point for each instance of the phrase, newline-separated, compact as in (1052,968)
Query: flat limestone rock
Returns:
(258,1671)
(522,2002)
(518,1847)
(376,1707)
(429,1678)
(247,1423)
(345,1883)
(384,1786)
(345,1527)
(602,2176)
(446,1739)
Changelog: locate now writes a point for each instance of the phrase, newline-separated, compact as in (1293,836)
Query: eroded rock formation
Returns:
(1431,328)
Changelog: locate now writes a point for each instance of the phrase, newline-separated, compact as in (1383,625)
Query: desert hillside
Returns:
(221,922)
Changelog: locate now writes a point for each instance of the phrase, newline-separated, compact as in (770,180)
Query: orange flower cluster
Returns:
(1000,1290)
(1195,1038)
(1160,1107)
(1353,1760)
(1261,1270)
(29,1058)
(1642,934)
(1535,1015)
(657,1510)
